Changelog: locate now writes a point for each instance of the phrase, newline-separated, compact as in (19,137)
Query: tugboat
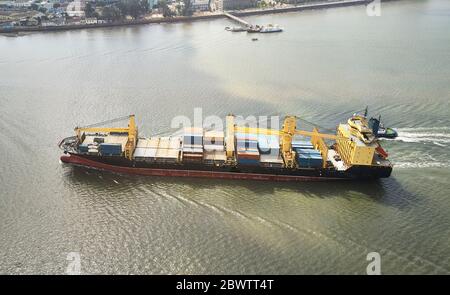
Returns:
(378,129)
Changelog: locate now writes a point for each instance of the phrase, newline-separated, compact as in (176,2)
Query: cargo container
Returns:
(274,161)
(214,157)
(214,147)
(142,143)
(83,148)
(175,142)
(110,149)
(167,155)
(309,161)
(164,143)
(153,142)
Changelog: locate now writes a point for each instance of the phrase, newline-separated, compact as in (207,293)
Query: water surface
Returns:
(326,65)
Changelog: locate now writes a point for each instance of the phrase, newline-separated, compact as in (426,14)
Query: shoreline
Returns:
(322,5)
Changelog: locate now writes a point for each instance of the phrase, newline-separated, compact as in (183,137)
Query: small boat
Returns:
(254,39)
(270,29)
(380,130)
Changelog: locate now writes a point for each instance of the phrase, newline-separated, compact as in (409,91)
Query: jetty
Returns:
(237,19)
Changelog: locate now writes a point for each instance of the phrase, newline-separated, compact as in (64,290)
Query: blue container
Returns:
(247,144)
(312,160)
(83,148)
(110,149)
(248,162)
(192,139)
(302,144)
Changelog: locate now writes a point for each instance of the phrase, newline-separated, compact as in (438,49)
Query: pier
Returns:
(237,19)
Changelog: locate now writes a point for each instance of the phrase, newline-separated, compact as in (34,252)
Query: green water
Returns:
(325,65)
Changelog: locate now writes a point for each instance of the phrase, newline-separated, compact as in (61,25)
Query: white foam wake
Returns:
(436,135)
(421,164)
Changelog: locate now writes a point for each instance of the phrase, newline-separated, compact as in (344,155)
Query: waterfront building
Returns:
(238,4)
(200,5)
(76,8)
(91,21)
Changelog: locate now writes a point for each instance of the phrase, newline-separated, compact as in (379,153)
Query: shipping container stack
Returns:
(90,145)
(213,143)
(269,148)
(192,145)
(168,150)
(247,149)
(306,155)
(110,149)
(146,149)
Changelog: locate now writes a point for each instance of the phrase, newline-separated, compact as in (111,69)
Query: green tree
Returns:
(187,9)
(89,9)
(133,8)
(165,8)
(111,13)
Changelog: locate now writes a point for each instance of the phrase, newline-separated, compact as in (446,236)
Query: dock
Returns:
(237,19)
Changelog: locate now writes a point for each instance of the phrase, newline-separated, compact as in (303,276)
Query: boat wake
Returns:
(432,164)
(439,136)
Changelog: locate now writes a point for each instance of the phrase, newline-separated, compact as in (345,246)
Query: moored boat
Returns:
(270,29)
(254,29)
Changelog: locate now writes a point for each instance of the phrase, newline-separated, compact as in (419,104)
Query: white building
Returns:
(91,21)
(76,8)
(200,5)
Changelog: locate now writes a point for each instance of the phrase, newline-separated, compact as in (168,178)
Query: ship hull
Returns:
(125,166)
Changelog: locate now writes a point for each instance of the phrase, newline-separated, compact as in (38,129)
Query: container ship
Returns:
(238,152)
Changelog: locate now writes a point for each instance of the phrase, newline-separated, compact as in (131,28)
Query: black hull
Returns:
(123,165)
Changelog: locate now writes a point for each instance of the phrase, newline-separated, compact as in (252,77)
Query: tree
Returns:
(187,9)
(133,8)
(165,8)
(89,9)
(111,13)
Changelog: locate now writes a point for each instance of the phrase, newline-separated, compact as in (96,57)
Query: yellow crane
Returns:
(286,133)
(131,130)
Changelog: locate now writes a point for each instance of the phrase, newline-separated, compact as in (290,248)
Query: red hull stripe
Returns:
(73,159)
